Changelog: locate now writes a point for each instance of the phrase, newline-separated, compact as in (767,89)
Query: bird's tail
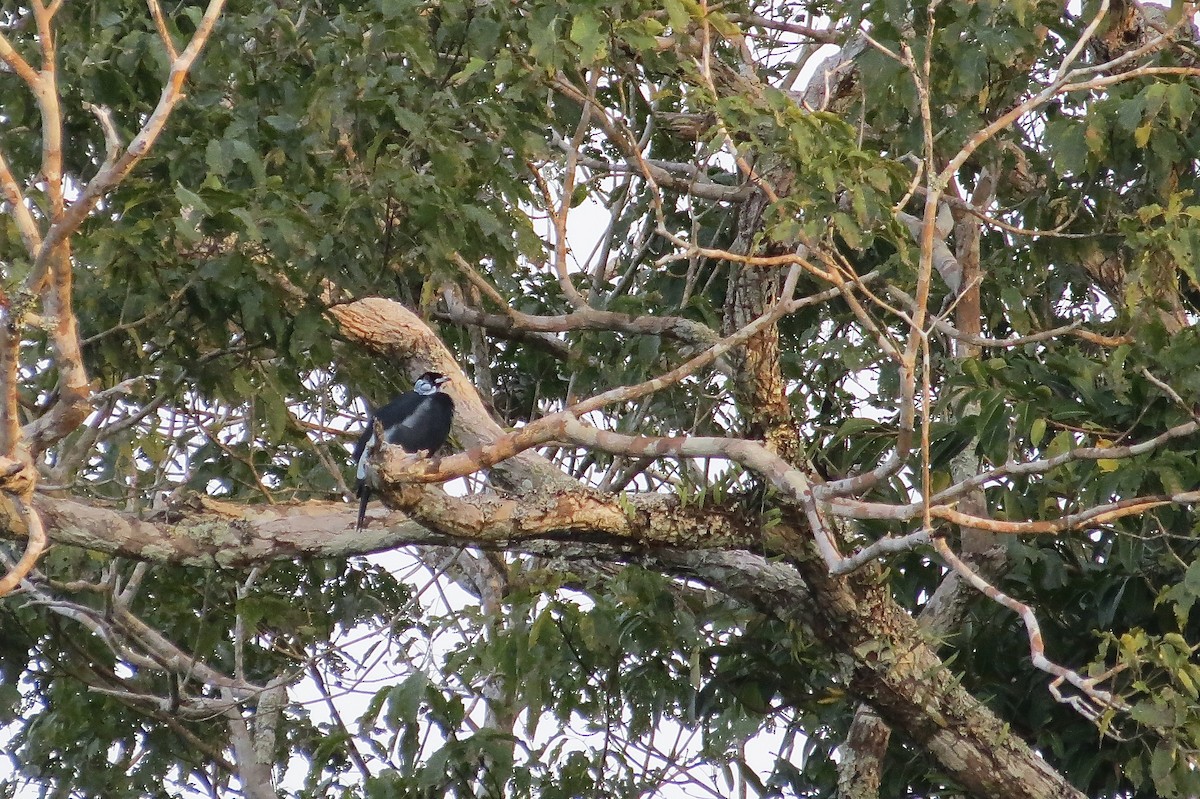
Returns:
(364,494)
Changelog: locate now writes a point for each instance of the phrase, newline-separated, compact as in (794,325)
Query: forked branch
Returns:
(112,173)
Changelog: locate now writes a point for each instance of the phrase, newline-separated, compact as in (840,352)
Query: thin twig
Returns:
(160,24)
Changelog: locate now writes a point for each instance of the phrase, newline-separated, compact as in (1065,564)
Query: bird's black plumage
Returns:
(416,420)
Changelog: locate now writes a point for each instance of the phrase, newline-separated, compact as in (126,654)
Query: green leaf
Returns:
(1037,431)
(678,14)
(405,700)
(1141,136)
(588,33)
(284,123)
(473,66)
(190,203)
(1162,762)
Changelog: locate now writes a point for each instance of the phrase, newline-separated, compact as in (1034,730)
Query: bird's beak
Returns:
(442,380)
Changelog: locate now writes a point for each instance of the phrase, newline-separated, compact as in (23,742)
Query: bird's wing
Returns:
(398,410)
(410,430)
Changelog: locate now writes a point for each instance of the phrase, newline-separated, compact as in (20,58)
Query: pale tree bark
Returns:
(254,762)
(48,279)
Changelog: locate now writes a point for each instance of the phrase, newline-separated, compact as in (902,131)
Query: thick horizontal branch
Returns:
(207,533)
(637,521)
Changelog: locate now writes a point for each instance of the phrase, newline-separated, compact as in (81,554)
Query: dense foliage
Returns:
(989,213)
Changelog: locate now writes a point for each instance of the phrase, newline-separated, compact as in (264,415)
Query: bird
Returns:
(416,420)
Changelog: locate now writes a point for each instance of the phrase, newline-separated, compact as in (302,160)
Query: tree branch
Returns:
(31,236)
(18,64)
(35,545)
(206,533)
(160,24)
(1101,699)
(585,317)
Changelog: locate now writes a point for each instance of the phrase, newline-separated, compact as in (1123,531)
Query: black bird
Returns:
(416,420)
